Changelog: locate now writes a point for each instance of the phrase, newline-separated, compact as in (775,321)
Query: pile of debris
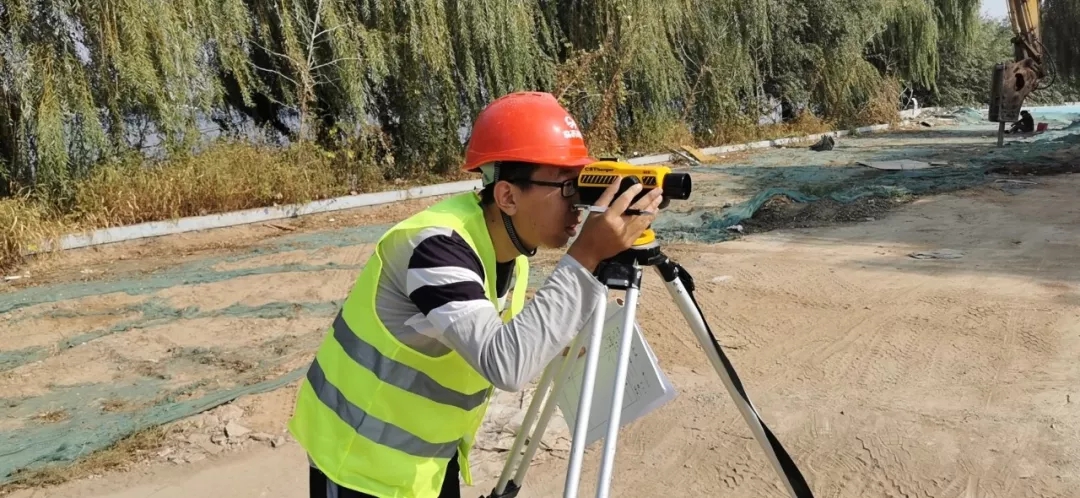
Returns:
(213,432)
(501,426)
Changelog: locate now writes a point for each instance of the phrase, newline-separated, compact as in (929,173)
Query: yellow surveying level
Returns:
(596,177)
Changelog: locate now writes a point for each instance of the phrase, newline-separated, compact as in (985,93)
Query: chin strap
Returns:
(491,173)
(513,236)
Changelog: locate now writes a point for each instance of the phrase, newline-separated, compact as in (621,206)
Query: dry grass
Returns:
(117,457)
(25,225)
(805,124)
(881,106)
(115,405)
(234,176)
(663,136)
(878,106)
(224,178)
(53,416)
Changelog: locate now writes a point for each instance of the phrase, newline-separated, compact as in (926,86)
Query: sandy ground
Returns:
(895,348)
(928,352)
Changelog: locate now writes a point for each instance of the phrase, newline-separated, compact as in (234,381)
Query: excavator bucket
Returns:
(1011,82)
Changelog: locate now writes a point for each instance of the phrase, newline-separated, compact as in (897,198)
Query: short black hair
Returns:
(509,171)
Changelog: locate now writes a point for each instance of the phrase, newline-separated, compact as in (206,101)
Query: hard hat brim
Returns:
(576,163)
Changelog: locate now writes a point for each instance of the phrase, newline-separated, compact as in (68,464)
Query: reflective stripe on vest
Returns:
(392,372)
(383,433)
(379,417)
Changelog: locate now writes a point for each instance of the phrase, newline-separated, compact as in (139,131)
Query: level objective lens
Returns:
(677,186)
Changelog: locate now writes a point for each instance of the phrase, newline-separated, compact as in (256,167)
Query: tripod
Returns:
(624,272)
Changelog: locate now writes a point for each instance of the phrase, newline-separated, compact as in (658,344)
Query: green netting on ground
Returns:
(90,429)
(725,194)
(96,415)
(961,156)
(841,185)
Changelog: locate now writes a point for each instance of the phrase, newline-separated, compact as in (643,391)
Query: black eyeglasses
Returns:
(569,187)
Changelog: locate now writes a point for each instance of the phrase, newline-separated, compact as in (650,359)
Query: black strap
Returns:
(509,224)
(791,471)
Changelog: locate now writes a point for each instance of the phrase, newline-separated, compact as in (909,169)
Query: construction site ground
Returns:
(921,341)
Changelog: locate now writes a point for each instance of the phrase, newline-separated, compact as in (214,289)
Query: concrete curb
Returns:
(159,228)
(257,215)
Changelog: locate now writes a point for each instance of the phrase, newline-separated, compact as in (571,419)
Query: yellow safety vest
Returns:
(379,417)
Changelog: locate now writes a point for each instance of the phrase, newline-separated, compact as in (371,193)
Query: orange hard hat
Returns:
(527,127)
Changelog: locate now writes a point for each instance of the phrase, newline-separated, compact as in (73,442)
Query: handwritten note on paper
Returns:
(647,388)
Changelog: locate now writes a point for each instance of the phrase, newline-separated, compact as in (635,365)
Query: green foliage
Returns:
(965,78)
(394,81)
(1061,20)
(964,75)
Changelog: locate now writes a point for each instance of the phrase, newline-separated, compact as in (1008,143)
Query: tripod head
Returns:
(623,270)
(644,252)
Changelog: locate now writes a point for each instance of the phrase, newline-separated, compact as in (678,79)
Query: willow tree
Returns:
(76,77)
(624,74)
(1061,20)
(81,81)
(446,60)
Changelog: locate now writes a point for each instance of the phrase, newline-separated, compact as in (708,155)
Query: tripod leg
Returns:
(549,409)
(615,419)
(526,425)
(508,487)
(783,464)
(581,428)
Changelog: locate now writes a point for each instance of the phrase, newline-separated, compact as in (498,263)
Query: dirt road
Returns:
(928,352)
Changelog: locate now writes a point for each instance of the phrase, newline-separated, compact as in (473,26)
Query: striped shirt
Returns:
(431,297)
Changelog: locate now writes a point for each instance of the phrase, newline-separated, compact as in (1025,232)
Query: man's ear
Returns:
(506,197)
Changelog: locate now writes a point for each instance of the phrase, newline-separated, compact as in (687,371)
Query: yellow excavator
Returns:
(1011,82)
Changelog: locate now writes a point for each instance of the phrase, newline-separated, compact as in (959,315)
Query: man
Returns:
(392,402)
(1025,125)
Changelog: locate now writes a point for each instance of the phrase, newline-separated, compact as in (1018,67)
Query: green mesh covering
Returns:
(724,195)
(962,156)
(155,398)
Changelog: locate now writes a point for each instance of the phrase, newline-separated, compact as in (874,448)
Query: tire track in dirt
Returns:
(861,332)
(889,359)
(891,353)
(886,462)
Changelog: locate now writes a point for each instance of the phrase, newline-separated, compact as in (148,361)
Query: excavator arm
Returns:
(1013,81)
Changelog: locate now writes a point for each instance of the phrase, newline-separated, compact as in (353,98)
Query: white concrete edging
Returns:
(159,228)
(257,215)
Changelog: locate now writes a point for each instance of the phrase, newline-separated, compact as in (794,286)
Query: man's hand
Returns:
(606,234)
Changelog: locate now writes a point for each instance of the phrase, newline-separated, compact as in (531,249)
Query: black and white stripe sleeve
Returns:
(445,279)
